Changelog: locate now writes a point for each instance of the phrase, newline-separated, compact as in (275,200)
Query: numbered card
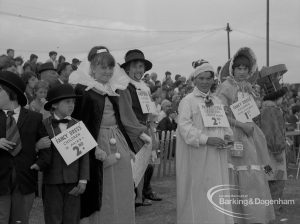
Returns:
(214,116)
(245,109)
(147,105)
(74,142)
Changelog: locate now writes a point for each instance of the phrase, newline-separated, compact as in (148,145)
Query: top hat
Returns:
(269,78)
(136,55)
(46,66)
(75,61)
(59,92)
(14,82)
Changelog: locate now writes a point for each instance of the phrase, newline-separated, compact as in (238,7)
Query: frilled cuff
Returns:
(83,181)
(203,139)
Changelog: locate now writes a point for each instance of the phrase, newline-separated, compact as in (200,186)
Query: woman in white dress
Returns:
(201,157)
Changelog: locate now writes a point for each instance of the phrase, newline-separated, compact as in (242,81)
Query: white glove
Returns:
(153,156)
(100,154)
(146,138)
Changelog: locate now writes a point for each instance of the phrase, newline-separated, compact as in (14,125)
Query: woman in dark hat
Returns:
(135,66)
(247,171)
(110,167)
(20,131)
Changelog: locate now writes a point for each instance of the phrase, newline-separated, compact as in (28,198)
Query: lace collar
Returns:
(140,85)
(81,76)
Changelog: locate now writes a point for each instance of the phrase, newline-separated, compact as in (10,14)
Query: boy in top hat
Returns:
(273,125)
(20,130)
(135,66)
(63,184)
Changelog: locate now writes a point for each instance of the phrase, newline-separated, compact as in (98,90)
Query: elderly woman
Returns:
(248,169)
(201,157)
(110,166)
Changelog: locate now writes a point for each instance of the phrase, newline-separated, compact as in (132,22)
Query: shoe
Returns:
(144,203)
(153,197)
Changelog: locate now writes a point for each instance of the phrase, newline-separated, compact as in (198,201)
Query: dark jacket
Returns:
(166,125)
(273,126)
(89,109)
(132,116)
(136,105)
(31,129)
(59,172)
(56,83)
(292,119)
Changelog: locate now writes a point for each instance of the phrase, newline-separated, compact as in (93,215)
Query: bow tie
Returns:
(64,121)
(10,113)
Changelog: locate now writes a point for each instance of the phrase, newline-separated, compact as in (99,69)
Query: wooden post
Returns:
(228,39)
(165,153)
(268,41)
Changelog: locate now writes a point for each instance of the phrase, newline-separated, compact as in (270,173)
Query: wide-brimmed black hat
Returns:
(46,66)
(136,55)
(59,92)
(14,82)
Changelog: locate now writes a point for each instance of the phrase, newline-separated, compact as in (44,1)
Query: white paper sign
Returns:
(213,116)
(145,101)
(74,142)
(139,166)
(245,109)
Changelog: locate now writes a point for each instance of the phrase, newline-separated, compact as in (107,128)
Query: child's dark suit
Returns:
(18,182)
(60,179)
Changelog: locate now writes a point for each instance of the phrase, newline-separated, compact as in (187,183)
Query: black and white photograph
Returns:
(149,112)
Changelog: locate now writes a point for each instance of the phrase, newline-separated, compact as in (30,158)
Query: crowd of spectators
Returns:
(166,93)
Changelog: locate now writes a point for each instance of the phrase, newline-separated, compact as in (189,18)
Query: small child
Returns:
(30,79)
(39,93)
(62,184)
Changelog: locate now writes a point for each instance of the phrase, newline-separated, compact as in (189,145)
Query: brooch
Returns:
(208,101)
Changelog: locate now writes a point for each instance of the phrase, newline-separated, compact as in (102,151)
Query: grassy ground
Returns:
(164,212)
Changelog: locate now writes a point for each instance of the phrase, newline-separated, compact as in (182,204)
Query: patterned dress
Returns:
(247,171)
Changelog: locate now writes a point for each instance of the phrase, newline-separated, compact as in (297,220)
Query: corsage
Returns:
(208,101)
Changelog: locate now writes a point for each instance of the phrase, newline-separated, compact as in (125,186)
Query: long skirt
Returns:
(118,188)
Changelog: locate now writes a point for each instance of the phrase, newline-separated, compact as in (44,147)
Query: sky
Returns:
(171,33)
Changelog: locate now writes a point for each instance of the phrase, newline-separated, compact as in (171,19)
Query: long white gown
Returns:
(199,167)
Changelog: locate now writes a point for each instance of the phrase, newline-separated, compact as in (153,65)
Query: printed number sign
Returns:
(145,101)
(74,142)
(245,109)
(214,116)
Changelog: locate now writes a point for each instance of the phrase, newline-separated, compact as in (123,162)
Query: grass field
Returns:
(164,212)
